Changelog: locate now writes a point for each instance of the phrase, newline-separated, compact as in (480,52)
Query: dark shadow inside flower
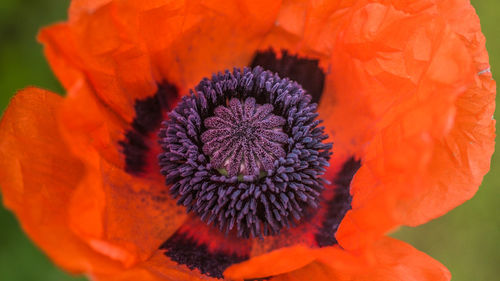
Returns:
(149,113)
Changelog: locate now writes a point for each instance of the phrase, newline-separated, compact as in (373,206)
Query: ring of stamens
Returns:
(244,152)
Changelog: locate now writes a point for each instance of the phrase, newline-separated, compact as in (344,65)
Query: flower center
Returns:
(244,137)
(244,152)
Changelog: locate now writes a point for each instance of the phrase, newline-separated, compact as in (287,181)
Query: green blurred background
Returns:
(466,240)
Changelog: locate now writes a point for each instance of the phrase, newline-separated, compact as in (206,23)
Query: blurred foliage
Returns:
(466,240)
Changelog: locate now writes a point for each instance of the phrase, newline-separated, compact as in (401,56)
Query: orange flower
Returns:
(403,88)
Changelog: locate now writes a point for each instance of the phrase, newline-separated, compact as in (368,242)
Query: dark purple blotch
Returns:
(149,112)
(338,206)
(186,250)
(304,71)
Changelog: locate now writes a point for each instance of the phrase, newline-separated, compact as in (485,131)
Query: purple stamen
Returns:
(245,152)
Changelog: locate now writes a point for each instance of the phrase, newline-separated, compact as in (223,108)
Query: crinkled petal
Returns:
(386,260)
(467,149)
(129,55)
(112,61)
(418,107)
(38,174)
(107,212)
(122,216)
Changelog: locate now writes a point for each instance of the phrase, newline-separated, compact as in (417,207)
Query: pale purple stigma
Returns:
(244,138)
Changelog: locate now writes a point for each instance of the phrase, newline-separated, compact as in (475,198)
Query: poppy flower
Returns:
(321,127)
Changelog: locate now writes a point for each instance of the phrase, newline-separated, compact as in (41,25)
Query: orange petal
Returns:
(462,158)
(128,275)
(386,260)
(273,263)
(105,52)
(78,7)
(346,263)
(381,105)
(126,217)
(93,130)
(38,174)
(199,38)
(119,215)
(61,54)
(396,260)
(124,57)
(313,271)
